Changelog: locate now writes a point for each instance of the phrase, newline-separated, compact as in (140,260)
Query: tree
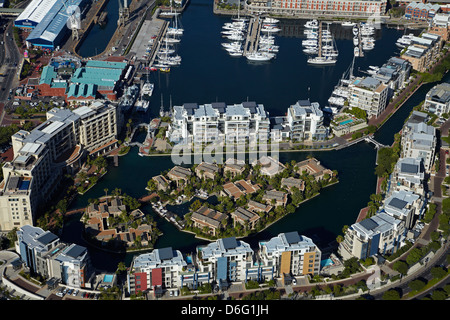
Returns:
(438,295)
(400,266)
(417,284)
(438,272)
(391,295)
(414,256)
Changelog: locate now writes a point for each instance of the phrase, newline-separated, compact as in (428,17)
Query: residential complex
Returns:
(305,120)
(46,255)
(423,51)
(370,95)
(437,100)
(218,122)
(43,155)
(316,8)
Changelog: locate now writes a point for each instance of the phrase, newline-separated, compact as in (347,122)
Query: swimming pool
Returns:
(346,121)
(108,278)
(326,262)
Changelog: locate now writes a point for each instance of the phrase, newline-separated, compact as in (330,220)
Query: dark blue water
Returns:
(208,74)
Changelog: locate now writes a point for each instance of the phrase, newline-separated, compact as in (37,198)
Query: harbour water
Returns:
(207,74)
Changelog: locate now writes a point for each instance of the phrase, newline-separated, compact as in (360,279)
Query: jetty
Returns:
(254,31)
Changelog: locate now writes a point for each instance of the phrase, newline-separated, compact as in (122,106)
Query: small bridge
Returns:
(378,145)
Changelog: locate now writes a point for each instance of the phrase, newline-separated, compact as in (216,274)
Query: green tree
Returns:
(400,266)
(438,272)
(391,295)
(417,284)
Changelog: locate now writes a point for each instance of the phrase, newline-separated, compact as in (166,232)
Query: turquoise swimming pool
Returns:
(326,262)
(346,121)
(108,278)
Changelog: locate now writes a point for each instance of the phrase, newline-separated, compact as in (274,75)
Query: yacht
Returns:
(355,30)
(270,20)
(404,40)
(312,24)
(269,28)
(356,52)
(309,42)
(322,61)
(129,98)
(348,24)
(147,89)
(260,56)
(355,40)
(142,105)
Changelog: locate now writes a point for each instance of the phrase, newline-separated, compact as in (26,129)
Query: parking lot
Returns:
(68,293)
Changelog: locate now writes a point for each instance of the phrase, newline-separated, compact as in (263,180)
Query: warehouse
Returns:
(49,21)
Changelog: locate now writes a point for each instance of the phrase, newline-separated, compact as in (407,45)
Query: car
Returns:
(75,293)
(70,291)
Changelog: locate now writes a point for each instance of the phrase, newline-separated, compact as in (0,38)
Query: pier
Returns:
(252,41)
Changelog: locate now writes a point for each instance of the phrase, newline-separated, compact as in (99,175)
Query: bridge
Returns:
(10,11)
(378,145)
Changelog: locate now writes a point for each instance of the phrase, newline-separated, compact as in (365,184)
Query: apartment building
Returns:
(380,234)
(421,11)
(41,157)
(207,170)
(290,254)
(44,254)
(218,122)
(419,139)
(156,271)
(404,205)
(305,121)
(369,94)
(394,73)
(319,8)
(440,25)
(208,218)
(423,51)
(437,100)
(408,175)
(226,259)
(245,218)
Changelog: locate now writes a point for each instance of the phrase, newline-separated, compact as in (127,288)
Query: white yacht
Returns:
(309,42)
(147,89)
(322,61)
(355,30)
(269,28)
(270,20)
(260,56)
(355,40)
(348,24)
(312,24)
(142,105)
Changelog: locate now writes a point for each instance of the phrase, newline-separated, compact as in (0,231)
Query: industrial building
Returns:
(49,21)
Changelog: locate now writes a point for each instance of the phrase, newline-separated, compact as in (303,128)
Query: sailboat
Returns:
(175,30)
(325,56)
(170,13)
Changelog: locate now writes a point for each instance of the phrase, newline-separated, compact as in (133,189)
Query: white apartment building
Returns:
(394,73)
(290,254)
(218,122)
(380,234)
(437,100)
(419,140)
(404,205)
(227,260)
(408,175)
(305,120)
(370,95)
(44,254)
(156,271)
(42,155)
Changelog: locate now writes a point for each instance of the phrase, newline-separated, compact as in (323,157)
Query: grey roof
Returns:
(165,253)
(369,224)
(76,251)
(292,237)
(398,203)
(409,168)
(47,238)
(229,243)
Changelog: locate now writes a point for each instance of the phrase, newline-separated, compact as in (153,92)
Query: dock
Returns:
(254,31)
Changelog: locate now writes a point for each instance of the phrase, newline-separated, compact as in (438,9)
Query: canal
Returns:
(208,74)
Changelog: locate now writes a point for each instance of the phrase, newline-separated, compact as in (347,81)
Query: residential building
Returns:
(208,218)
(226,259)
(207,170)
(276,198)
(313,8)
(290,254)
(156,271)
(179,174)
(437,100)
(313,167)
(370,95)
(423,51)
(44,254)
(259,207)
(218,122)
(419,140)
(43,155)
(394,73)
(408,175)
(291,182)
(381,234)
(421,11)
(305,121)
(404,205)
(269,166)
(161,183)
(245,218)
(234,167)
(239,188)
